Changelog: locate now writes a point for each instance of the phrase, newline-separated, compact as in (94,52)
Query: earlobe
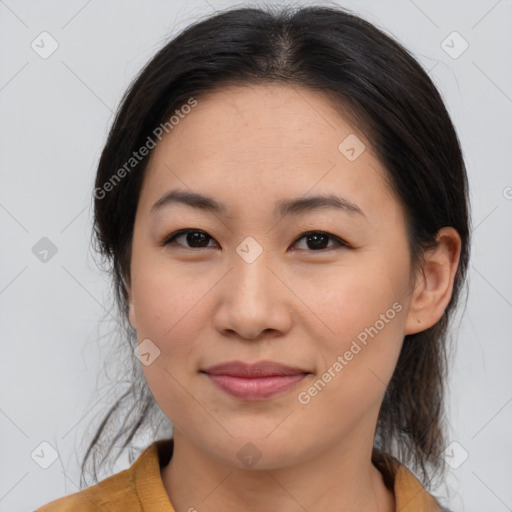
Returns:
(434,284)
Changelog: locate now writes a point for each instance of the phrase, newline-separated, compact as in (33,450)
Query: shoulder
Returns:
(115,489)
(116,493)
(410,494)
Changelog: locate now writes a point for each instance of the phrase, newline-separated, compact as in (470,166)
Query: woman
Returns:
(284,203)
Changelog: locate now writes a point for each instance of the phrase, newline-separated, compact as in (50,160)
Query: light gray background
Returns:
(55,114)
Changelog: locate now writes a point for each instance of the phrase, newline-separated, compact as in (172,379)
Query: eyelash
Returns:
(341,243)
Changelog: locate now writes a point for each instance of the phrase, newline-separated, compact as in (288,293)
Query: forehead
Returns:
(280,118)
(262,142)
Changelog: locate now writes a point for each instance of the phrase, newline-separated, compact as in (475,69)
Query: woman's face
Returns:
(248,285)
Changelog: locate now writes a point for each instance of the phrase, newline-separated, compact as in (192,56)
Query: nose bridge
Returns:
(252,279)
(252,298)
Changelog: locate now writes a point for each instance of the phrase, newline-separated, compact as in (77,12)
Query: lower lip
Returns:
(256,388)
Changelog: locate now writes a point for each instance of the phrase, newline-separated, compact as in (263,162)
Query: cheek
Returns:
(362,308)
(352,298)
(167,301)
(169,313)
(356,366)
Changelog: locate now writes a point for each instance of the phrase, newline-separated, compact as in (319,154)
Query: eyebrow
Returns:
(286,207)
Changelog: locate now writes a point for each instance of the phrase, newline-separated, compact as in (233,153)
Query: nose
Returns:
(253,301)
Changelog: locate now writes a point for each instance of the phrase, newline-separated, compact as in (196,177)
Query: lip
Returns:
(258,369)
(256,381)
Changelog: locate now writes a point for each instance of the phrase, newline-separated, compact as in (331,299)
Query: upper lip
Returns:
(258,369)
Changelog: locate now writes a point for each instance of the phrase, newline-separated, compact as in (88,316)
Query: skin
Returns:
(250,147)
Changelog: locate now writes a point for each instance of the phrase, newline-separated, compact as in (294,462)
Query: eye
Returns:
(194,237)
(315,240)
(318,240)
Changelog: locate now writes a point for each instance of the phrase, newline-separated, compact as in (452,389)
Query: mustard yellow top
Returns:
(140,489)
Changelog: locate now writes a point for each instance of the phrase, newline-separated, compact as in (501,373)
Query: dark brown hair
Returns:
(388,96)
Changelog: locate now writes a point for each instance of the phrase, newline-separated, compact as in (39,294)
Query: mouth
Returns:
(257,381)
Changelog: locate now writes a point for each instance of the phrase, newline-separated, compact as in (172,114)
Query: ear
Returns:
(434,283)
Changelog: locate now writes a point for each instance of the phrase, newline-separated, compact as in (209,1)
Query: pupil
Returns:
(315,239)
(195,238)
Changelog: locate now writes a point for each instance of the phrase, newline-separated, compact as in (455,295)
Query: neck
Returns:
(340,479)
